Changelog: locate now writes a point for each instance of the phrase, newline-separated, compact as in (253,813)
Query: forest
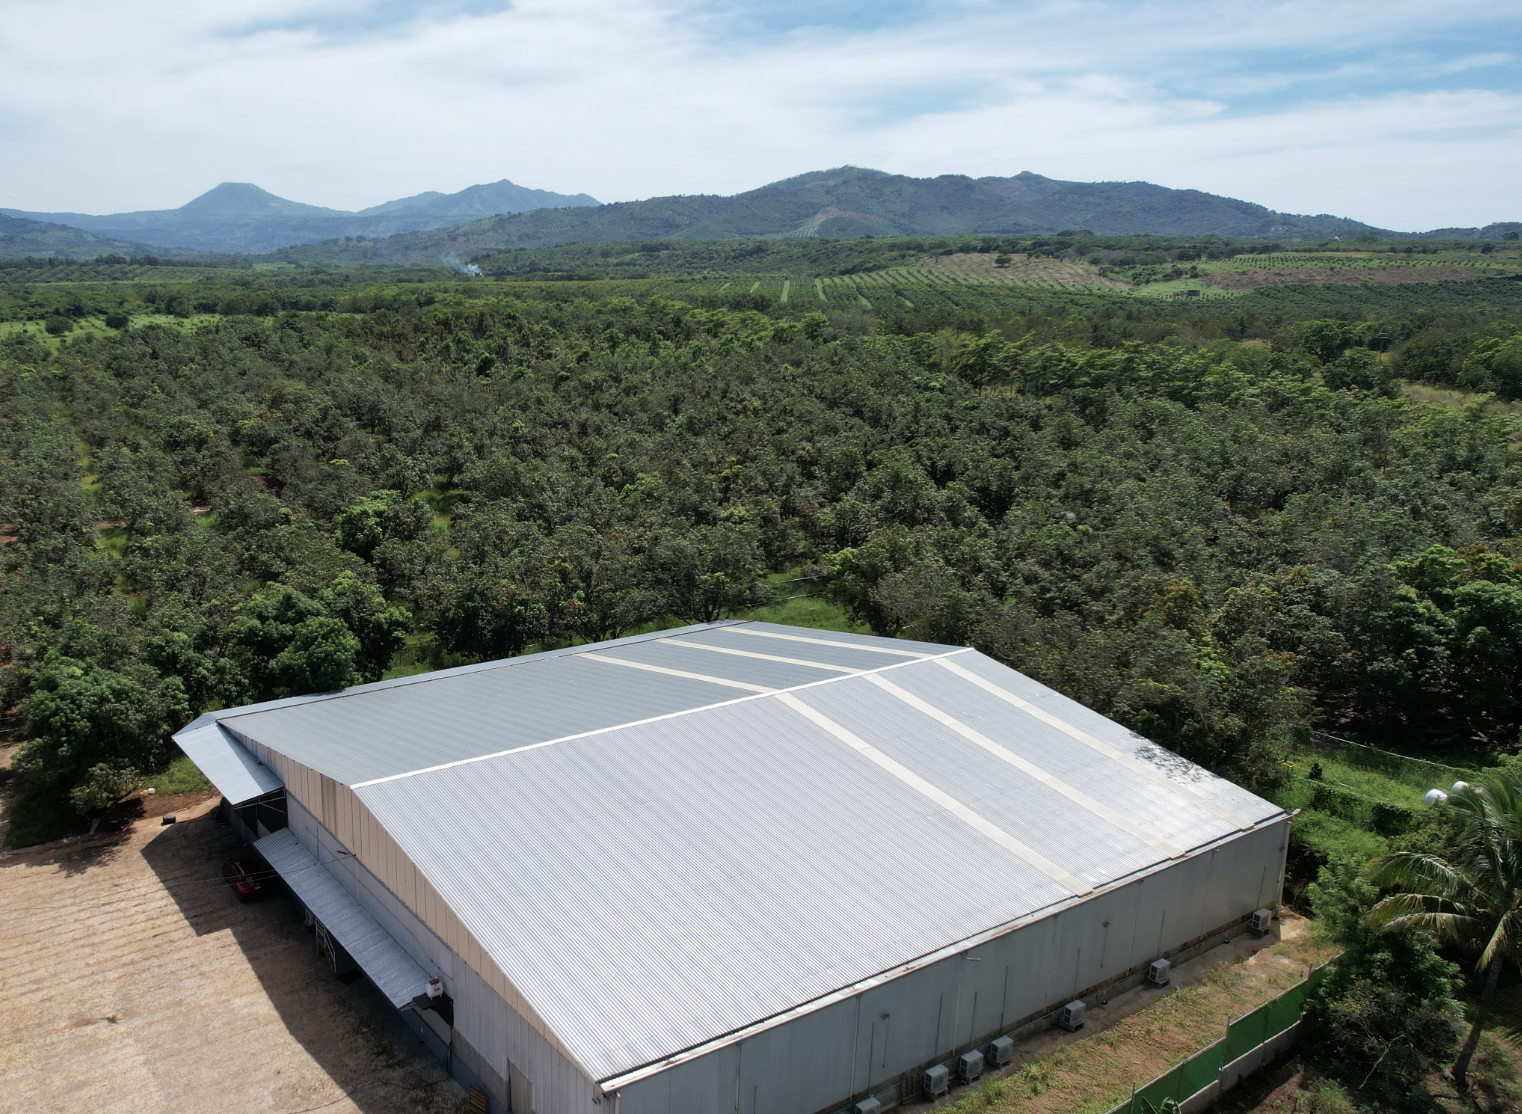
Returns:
(238,490)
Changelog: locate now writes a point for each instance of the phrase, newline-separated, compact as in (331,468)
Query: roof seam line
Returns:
(654,719)
(462,671)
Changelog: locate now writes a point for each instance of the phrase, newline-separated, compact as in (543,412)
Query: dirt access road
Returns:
(131,979)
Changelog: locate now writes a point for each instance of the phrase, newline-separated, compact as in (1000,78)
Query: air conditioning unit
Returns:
(970,1065)
(1070,1017)
(1262,921)
(1157,972)
(868,1105)
(937,1081)
(1001,1050)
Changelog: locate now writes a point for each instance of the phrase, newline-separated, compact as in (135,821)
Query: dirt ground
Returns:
(133,980)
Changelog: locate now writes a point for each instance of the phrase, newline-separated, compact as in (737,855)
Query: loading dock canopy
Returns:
(380,957)
(237,774)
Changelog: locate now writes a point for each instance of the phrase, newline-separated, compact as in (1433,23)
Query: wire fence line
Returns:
(1362,754)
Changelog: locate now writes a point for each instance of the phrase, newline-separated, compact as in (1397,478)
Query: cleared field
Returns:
(979,267)
(134,980)
(1249,272)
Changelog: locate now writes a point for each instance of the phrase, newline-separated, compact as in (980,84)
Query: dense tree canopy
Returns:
(1218,543)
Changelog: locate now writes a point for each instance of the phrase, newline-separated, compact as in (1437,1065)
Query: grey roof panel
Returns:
(1175,767)
(237,774)
(1040,817)
(1172,816)
(376,734)
(749,670)
(388,966)
(636,928)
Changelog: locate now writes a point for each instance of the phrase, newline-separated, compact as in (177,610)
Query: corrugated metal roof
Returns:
(677,880)
(237,774)
(388,966)
(701,824)
(381,730)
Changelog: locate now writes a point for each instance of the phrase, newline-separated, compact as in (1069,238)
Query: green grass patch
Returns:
(180,776)
(421,653)
(1394,788)
(1329,838)
(803,611)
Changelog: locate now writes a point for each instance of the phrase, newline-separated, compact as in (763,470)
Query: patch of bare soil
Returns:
(1337,276)
(134,980)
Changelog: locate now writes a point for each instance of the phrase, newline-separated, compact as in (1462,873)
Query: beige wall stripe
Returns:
(1197,799)
(940,797)
(1078,797)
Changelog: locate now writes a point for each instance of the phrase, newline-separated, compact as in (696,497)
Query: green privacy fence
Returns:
(1242,1036)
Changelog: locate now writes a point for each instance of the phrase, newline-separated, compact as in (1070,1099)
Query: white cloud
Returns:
(104,107)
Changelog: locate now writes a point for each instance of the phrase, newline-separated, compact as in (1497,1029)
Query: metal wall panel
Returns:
(508,1043)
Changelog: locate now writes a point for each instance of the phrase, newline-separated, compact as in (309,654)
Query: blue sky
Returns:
(1407,115)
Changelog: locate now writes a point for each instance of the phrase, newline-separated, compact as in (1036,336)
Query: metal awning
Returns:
(237,774)
(380,957)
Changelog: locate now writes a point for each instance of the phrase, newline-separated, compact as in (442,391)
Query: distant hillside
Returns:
(22,238)
(1501,230)
(237,217)
(474,202)
(850,202)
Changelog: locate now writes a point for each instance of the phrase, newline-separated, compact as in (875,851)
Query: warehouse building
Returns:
(734,867)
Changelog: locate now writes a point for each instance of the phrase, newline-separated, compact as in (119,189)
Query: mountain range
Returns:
(851,201)
(240,218)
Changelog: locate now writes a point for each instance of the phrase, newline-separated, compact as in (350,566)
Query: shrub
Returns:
(103,787)
(1385,1016)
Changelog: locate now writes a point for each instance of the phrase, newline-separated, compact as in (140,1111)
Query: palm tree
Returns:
(1472,899)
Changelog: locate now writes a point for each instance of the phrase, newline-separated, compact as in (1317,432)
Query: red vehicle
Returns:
(246,877)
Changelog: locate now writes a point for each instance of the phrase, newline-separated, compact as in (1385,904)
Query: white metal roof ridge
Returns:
(686,674)
(220,714)
(920,654)
(611,1083)
(979,823)
(654,719)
